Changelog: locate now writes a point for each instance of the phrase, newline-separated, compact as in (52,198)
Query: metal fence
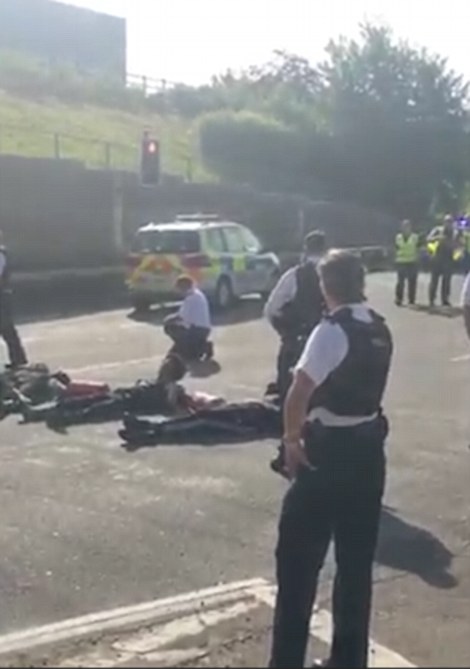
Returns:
(94,152)
(22,140)
(148,85)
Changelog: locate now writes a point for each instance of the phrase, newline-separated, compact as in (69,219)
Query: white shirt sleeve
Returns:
(466,292)
(283,292)
(195,311)
(324,352)
(3,262)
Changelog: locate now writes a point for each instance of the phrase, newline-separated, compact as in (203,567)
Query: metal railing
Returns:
(31,142)
(148,85)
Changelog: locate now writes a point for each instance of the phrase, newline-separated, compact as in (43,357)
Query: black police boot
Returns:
(208,353)
(278,465)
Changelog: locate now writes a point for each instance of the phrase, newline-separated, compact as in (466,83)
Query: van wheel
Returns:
(141,305)
(224,296)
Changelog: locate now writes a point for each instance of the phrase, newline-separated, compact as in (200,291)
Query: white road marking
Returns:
(161,623)
(189,626)
(125,617)
(461,358)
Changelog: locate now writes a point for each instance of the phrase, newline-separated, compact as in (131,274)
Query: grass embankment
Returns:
(28,128)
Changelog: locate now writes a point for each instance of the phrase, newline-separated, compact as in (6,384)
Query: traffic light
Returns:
(150,161)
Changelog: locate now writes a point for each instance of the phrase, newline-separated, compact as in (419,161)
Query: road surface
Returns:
(87,526)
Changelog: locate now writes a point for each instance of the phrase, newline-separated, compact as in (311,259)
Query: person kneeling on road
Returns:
(190,327)
(334,435)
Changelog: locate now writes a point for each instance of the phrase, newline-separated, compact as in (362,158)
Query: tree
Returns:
(399,119)
(253,149)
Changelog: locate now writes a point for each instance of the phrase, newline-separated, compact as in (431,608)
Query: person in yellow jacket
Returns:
(406,259)
(444,246)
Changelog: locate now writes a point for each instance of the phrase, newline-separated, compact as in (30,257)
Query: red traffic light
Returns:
(152,147)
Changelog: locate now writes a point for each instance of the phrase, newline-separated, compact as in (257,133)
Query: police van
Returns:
(225,259)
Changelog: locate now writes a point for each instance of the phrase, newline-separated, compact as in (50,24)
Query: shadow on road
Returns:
(244,311)
(203,369)
(54,309)
(409,548)
(446,312)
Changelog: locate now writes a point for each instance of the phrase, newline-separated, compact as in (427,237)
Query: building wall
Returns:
(56,214)
(62,33)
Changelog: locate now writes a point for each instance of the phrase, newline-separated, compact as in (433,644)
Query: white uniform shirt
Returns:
(466,292)
(195,310)
(325,350)
(284,291)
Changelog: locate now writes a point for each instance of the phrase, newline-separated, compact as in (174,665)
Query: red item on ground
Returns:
(86,389)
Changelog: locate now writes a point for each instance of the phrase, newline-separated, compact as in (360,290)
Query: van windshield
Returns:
(167,241)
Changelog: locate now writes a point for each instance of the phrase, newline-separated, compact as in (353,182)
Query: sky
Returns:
(190,40)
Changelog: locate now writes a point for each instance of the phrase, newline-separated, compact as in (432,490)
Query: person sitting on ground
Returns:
(190,327)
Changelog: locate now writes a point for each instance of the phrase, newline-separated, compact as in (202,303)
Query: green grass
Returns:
(27,128)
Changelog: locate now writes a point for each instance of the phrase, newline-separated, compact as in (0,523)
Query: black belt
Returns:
(376,429)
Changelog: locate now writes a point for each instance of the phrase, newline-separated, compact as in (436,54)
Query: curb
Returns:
(31,644)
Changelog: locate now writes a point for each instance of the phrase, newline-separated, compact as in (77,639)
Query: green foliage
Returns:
(247,147)
(379,123)
(27,128)
(400,122)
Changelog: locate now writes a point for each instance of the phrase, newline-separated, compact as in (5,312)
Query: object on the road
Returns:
(243,421)
(29,385)
(144,397)
(86,389)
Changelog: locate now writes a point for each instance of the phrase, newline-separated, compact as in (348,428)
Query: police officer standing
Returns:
(334,434)
(8,331)
(466,244)
(295,307)
(442,241)
(406,258)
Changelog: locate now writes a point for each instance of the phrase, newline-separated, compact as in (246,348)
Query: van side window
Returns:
(234,239)
(252,243)
(215,240)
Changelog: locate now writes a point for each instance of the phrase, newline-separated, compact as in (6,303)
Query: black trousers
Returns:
(231,422)
(340,500)
(444,274)
(407,273)
(8,332)
(289,353)
(189,343)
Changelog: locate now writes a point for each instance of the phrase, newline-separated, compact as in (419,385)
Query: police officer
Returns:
(466,245)
(334,434)
(8,331)
(465,302)
(406,258)
(295,307)
(443,242)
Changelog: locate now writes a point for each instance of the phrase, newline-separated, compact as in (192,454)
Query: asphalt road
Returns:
(86,526)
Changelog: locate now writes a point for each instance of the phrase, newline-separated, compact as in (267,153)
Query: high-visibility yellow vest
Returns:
(432,247)
(407,249)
